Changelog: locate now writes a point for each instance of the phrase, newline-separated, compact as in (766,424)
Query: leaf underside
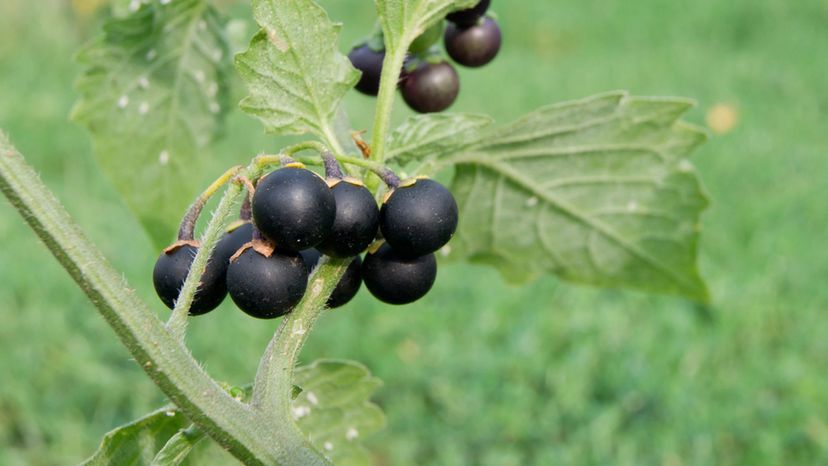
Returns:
(295,75)
(334,411)
(331,406)
(153,96)
(403,20)
(424,138)
(136,443)
(596,191)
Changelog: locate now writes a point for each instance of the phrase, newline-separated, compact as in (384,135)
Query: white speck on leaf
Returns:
(277,41)
(212,89)
(313,399)
(300,411)
(532,201)
(143,82)
(351,434)
(328,446)
(164,157)
(123,101)
(170,413)
(632,206)
(151,55)
(199,75)
(685,166)
(445,250)
(215,107)
(143,108)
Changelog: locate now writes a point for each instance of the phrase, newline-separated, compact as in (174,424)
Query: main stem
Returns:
(162,356)
(273,387)
(391,68)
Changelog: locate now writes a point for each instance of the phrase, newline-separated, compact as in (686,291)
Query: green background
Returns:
(481,372)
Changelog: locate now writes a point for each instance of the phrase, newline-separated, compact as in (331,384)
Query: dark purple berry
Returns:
(475,45)
(431,87)
(469,16)
(294,208)
(347,287)
(267,287)
(231,242)
(419,218)
(395,278)
(171,270)
(356,223)
(369,62)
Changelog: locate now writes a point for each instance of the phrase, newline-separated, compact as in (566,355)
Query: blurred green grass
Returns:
(482,373)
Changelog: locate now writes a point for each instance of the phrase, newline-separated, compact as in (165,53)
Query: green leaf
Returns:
(597,191)
(423,138)
(295,75)
(153,96)
(178,447)
(404,20)
(334,411)
(137,442)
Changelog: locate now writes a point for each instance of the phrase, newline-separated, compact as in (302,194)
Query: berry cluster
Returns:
(429,83)
(293,217)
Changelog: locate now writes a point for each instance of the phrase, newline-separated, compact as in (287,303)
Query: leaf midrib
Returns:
(521,181)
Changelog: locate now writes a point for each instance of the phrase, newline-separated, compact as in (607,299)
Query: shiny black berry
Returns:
(431,87)
(471,15)
(356,223)
(171,270)
(294,208)
(475,45)
(231,242)
(369,62)
(347,287)
(419,218)
(267,287)
(396,278)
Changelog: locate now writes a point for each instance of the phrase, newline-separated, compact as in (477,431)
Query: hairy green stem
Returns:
(177,323)
(273,388)
(391,68)
(247,435)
